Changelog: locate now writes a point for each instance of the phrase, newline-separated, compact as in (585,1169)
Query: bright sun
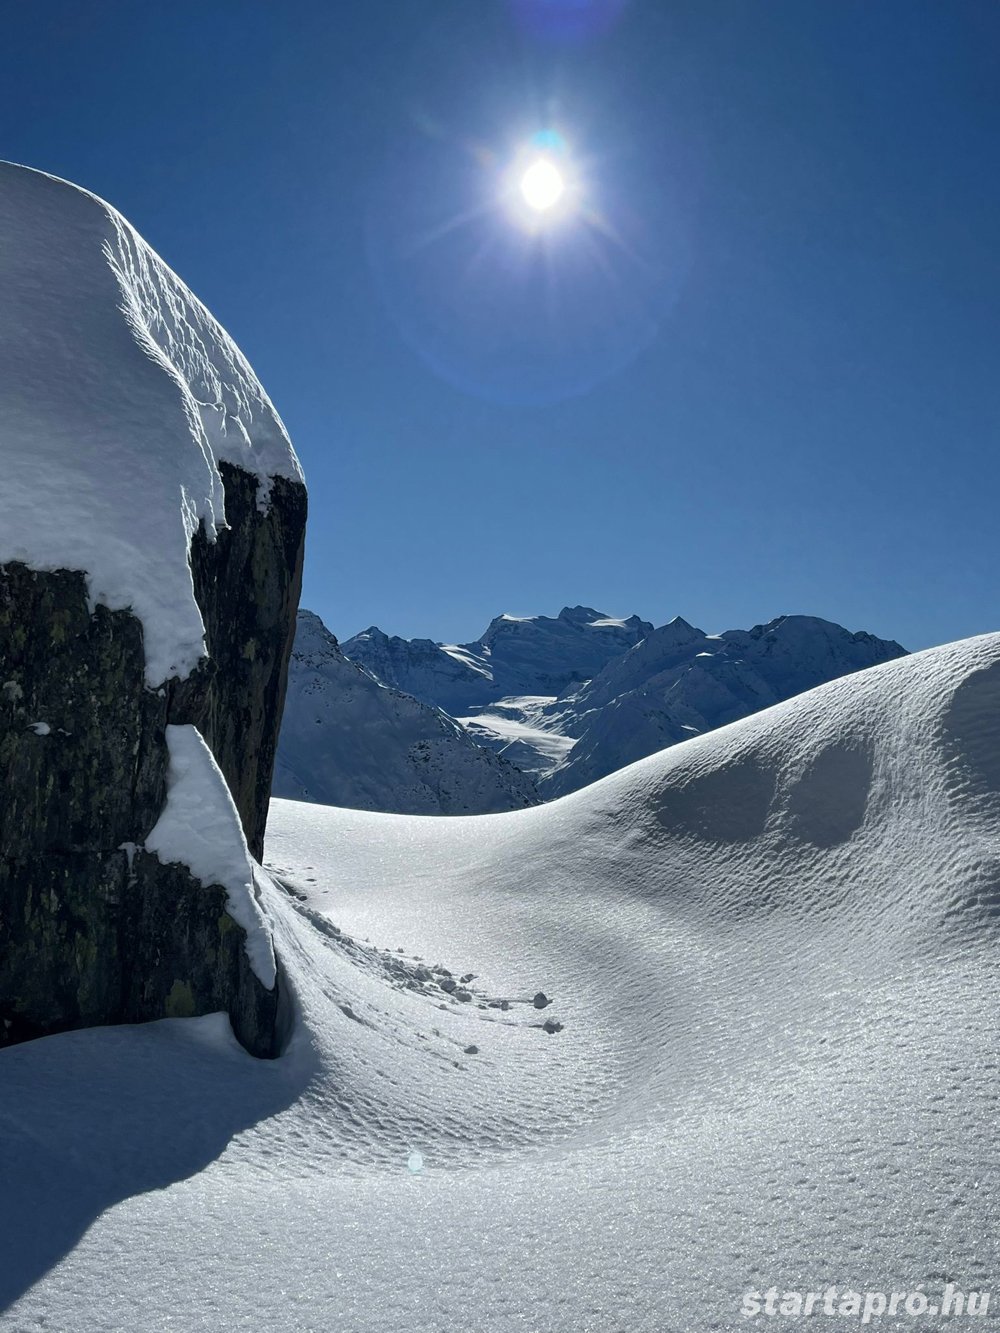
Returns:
(542,185)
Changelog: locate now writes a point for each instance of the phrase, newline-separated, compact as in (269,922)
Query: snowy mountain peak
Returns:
(679,682)
(515,655)
(350,739)
(570,698)
(312,638)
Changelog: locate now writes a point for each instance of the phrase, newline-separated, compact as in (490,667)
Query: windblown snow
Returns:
(764,1054)
(121,395)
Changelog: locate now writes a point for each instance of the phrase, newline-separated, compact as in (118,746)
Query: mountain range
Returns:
(535,708)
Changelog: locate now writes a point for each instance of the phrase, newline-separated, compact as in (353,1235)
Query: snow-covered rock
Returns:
(152,516)
(348,740)
(772,954)
(121,396)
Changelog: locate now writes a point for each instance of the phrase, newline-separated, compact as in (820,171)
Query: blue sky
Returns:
(760,378)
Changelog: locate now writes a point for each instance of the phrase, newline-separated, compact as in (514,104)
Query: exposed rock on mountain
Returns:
(350,741)
(442,675)
(151,534)
(516,655)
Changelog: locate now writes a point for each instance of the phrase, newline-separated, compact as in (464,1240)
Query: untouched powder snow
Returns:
(120,395)
(773,1059)
(200,828)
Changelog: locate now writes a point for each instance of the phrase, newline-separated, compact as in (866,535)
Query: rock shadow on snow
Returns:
(93,1117)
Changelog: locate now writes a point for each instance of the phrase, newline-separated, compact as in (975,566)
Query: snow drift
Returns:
(766,1053)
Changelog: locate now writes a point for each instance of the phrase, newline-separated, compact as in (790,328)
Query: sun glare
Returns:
(542,185)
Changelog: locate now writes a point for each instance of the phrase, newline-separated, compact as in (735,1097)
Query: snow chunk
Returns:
(119,396)
(200,828)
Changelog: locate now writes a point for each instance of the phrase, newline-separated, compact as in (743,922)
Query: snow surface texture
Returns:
(200,828)
(772,953)
(348,740)
(120,394)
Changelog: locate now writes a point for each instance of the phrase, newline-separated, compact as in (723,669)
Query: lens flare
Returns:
(542,185)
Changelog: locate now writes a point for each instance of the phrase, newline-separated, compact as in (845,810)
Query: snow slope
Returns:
(772,953)
(348,740)
(524,729)
(120,396)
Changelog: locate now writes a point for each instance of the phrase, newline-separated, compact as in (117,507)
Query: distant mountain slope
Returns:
(348,740)
(516,655)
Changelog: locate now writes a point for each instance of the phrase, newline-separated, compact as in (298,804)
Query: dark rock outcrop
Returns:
(93,929)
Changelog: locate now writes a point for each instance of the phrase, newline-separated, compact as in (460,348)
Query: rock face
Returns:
(93,929)
(151,539)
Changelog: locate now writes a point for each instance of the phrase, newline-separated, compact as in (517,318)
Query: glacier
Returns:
(347,739)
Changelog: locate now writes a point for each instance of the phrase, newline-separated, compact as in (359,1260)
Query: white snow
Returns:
(772,950)
(200,828)
(524,730)
(120,395)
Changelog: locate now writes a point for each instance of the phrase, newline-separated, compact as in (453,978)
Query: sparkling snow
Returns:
(772,953)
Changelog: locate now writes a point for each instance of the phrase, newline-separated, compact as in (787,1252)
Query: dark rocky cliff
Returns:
(93,929)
